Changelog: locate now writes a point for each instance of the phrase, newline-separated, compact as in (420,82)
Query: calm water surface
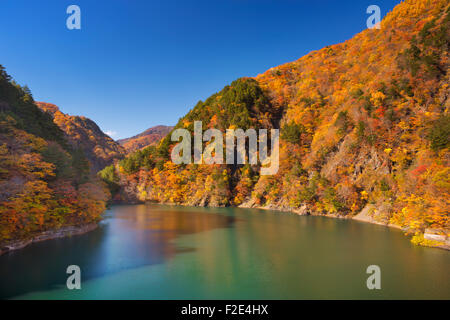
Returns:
(164,252)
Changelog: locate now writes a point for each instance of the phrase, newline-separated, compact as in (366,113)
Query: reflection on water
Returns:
(162,252)
(129,237)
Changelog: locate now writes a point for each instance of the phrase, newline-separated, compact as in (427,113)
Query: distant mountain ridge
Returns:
(83,133)
(147,138)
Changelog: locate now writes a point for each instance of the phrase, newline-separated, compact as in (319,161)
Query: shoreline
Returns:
(362,216)
(48,235)
(79,230)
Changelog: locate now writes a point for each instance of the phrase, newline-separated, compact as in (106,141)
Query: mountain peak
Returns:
(83,133)
(151,136)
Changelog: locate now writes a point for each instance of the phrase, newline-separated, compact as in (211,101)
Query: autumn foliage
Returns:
(83,134)
(147,138)
(45,183)
(364,122)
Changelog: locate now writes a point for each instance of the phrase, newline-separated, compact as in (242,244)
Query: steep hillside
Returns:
(84,134)
(147,138)
(364,132)
(150,174)
(45,183)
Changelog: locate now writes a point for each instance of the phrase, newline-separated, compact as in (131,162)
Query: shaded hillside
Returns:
(147,138)
(45,183)
(364,128)
(84,134)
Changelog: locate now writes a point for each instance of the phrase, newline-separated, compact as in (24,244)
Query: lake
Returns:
(151,251)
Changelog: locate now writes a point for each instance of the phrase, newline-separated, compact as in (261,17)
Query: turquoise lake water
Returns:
(164,252)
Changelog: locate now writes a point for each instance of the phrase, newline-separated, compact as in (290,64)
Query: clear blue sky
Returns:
(135,64)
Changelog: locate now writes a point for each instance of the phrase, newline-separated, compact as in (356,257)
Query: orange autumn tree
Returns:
(44,183)
(364,125)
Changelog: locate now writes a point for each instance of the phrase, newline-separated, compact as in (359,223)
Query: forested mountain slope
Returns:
(364,128)
(147,138)
(45,183)
(84,134)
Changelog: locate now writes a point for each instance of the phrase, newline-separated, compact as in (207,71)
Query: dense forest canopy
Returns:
(45,183)
(364,128)
(84,135)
